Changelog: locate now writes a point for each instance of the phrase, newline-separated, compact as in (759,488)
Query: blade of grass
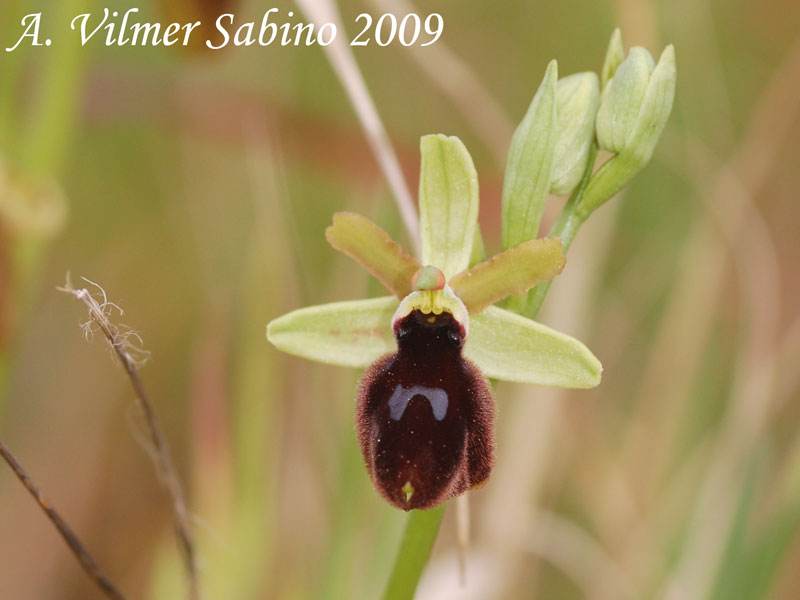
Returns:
(10,15)
(56,104)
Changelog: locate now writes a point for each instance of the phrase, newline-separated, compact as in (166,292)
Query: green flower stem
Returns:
(415,549)
(609,179)
(566,227)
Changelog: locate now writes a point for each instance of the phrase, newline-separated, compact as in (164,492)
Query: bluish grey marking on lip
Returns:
(400,398)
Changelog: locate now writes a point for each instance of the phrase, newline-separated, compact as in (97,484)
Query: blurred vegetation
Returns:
(199,185)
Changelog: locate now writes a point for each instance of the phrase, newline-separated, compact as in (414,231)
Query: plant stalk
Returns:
(89,565)
(565,227)
(163,461)
(415,549)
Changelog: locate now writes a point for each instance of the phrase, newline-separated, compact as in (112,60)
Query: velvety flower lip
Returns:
(425,415)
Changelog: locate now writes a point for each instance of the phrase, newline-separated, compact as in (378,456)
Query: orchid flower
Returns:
(424,406)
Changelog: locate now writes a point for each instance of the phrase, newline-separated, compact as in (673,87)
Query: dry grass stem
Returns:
(89,565)
(344,64)
(457,80)
(126,346)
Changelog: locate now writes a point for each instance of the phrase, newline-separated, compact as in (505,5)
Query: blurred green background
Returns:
(198,185)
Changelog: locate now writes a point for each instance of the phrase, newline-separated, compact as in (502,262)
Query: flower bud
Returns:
(634,108)
(636,103)
(577,99)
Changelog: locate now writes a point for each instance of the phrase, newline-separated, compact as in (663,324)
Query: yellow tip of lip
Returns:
(408,491)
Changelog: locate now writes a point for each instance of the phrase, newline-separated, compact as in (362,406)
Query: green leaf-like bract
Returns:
(508,346)
(448,203)
(529,165)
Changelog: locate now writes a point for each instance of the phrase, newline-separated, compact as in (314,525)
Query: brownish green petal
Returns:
(514,271)
(371,247)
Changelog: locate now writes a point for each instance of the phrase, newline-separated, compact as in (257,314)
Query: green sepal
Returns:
(656,107)
(371,247)
(529,165)
(448,203)
(622,99)
(514,271)
(353,333)
(508,346)
(502,344)
(615,54)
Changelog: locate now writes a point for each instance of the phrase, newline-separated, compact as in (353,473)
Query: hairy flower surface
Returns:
(432,439)
(424,409)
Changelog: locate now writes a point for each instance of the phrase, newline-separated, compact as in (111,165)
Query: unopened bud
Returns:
(577,99)
(634,107)
(636,104)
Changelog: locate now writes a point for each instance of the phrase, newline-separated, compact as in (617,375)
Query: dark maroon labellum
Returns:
(425,415)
